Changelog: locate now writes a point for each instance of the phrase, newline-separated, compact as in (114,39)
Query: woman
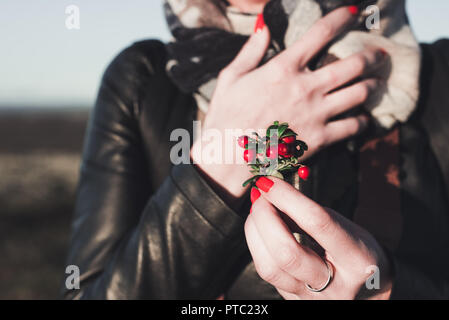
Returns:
(144,228)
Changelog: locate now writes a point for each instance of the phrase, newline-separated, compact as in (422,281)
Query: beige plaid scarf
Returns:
(197,56)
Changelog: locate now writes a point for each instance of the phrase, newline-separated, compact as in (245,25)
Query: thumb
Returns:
(251,53)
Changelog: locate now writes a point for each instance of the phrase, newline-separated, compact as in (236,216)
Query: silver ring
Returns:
(330,270)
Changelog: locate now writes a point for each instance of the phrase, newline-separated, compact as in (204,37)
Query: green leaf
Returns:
(277,174)
(247,182)
(288,133)
(287,168)
(272,130)
(282,129)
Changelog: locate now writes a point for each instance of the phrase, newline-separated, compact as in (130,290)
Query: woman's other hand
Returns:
(284,89)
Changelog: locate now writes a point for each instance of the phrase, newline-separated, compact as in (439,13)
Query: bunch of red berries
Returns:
(274,154)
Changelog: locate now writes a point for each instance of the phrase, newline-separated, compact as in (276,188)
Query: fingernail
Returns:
(255,194)
(383,52)
(264,184)
(251,209)
(354,10)
(260,23)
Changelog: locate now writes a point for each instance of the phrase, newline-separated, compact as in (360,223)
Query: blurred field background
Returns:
(39,159)
(48,81)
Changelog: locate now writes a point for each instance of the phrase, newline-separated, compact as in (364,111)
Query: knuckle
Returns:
(299,91)
(359,268)
(308,84)
(319,140)
(365,257)
(288,258)
(267,272)
(359,64)
(321,223)
(279,69)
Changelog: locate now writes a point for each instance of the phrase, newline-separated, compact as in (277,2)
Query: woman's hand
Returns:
(284,89)
(280,260)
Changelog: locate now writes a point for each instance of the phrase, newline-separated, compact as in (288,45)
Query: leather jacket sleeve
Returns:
(130,242)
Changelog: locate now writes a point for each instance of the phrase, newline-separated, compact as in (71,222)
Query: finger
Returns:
(264,263)
(339,130)
(287,295)
(343,71)
(322,225)
(348,98)
(317,37)
(304,295)
(298,261)
(251,53)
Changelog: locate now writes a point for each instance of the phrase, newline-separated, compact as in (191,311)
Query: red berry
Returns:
(249,155)
(271,153)
(243,141)
(284,150)
(290,139)
(304,172)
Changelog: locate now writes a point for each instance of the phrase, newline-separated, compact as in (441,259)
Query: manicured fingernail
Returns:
(381,54)
(264,184)
(354,10)
(255,194)
(260,23)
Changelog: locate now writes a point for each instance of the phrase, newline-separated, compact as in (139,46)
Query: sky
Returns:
(45,64)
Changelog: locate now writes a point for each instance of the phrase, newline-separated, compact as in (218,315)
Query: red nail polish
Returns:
(255,194)
(354,10)
(264,184)
(383,52)
(260,23)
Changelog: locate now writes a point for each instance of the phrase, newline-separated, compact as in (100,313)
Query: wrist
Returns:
(226,177)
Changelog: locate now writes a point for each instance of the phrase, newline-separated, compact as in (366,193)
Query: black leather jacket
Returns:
(144,229)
